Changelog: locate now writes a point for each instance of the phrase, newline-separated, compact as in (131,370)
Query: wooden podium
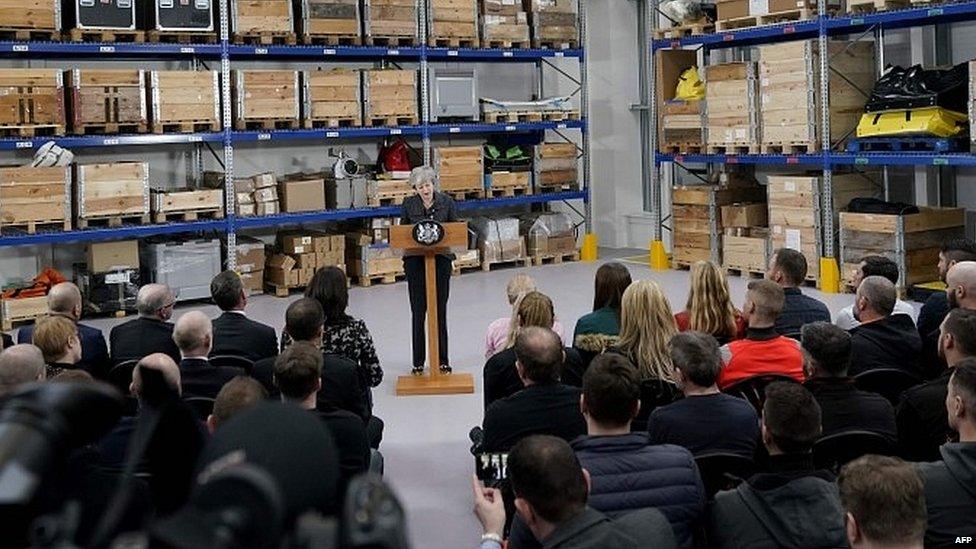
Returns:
(430,238)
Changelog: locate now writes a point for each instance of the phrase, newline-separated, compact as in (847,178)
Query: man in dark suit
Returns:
(194,336)
(234,333)
(882,340)
(150,332)
(64,299)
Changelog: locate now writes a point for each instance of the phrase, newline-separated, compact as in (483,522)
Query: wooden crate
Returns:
(554,24)
(732,112)
(112,192)
(696,222)
(262,21)
(508,184)
(35,197)
(328,22)
(24,20)
(453,23)
(107,101)
(391,22)
(184,101)
(911,241)
(747,254)
(388,192)
(265,99)
(555,167)
(390,97)
(505,31)
(187,204)
(21,310)
(679,122)
(460,169)
(31,102)
(790,100)
(331,98)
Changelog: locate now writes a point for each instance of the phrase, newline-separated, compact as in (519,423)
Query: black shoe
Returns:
(445,369)
(417,370)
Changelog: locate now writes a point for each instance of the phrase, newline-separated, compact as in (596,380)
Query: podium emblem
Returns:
(428,232)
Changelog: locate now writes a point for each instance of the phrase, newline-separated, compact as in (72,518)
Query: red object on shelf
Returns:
(396,157)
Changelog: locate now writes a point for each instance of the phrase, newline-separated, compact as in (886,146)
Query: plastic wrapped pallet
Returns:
(498,238)
(109,292)
(187,267)
(549,233)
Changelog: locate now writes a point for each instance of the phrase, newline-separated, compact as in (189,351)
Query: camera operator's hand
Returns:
(488,507)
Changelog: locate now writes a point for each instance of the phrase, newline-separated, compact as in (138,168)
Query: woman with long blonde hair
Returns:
(710,309)
(646,326)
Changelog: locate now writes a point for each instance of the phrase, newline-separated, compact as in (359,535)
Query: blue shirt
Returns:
(798,310)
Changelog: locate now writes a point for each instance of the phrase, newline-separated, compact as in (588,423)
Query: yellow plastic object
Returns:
(935,286)
(690,86)
(588,250)
(829,275)
(930,121)
(659,256)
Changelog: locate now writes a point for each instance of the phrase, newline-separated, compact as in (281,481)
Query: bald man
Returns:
(19,365)
(194,337)
(64,299)
(883,339)
(151,332)
(960,294)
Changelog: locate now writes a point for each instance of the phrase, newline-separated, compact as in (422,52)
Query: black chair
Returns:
(233,361)
(753,389)
(833,451)
(202,406)
(794,335)
(887,382)
(723,470)
(120,376)
(654,394)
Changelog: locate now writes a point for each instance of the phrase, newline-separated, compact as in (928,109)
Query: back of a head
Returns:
(768,297)
(226,290)
(877,265)
(611,388)
(646,326)
(961,324)
(329,287)
(962,384)
(63,298)
(72,376)
(236,395)
(697,356)
(611,280)
(709,306)
(518,285)
(540,352)
(297,370)
(163,367)
(886,497)
(52,334)
(828,347)
(535,309)
(20,364)
(303,319)
(963,274)
(192,332)
(792,264)
(880,294)
(151,298)
(791,416)
(959,249)
(545,473)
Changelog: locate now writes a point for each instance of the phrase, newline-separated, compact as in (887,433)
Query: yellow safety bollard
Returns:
(588,250)
(659,256)
(829,275)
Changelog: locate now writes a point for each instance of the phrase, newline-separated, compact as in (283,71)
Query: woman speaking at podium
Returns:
(427,204)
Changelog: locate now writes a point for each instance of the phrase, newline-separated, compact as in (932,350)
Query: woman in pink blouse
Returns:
(497,337)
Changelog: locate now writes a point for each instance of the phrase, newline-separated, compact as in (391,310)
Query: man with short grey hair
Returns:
(883,339)
(150,332)
(20,365)
(193,334)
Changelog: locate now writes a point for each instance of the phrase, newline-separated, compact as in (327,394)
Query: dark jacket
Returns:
(950,494)
(844,408)
(444,210)
(707,423)
(799,309)
(199,378)
(341,385)
(540,409)
(922,422)
(141,337)
(94,351)
(793,506)
(891,342)
(502,380)
(596,331)
(235,334)
(644,529)
(349,434)
(933,312)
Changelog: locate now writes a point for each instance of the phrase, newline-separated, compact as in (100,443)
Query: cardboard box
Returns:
(295,243)
(306,195)
(744,215)
(264,180)
(355,240)
(286,278)
(281,261)
(329,259)
(253,282)
(305,275)
(105,257)
(246,210)
(250,255)
(266,194)
(266,208)
(324,243)
(306,261)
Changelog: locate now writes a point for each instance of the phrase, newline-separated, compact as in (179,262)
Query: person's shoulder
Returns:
(342,418)
(501,360)
(338,362)
(936,299)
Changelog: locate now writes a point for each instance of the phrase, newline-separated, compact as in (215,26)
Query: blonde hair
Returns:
(519,285)
(646,326)
(710,308)
(530,309)
(52,336)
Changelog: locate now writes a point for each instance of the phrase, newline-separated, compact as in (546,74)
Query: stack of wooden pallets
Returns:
(555,23)
(112,193)
(262,22)
(391,22)
(390,97)
(732,110)
(453,23)
(266,99)
(503,24)
(331,99)
(460,171)
(107,101)
(329,22)
(31,102)
(34,198)
(185,101)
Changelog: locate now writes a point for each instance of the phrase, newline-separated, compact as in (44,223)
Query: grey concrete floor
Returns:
(426,443)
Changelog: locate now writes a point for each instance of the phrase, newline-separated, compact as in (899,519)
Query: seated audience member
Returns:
(827,356)
(960,294)
(544,406)
(72,376)
(235,333)
(921,418)
(950,484)
(709,309)
(57,338)
(298,374)
(5,340)
(646,326)
(705,420)
(193,335)
(792,505)
(763,351)
(500,375)
(19,365)
(151,332)
(550,491)
(238,394)
(936,306)
(64,299)
(883,339)
(874,265)
(597,331)
(788,268)
(497,336)
(884,503)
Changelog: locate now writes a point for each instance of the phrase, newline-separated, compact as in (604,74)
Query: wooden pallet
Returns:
(506,44)
(469,194)
(495,192)
(111,127)
(454,42)
(768,19)
(543,43)
(871,6)
(389,198)
(265,38)
(556,258)
(185,126)
(365,281)
(733,148)
(687,29)
(789,148)
(31,130)
(543,189)
(267,124)
(681,148)
(178,37)
(188,215)
(405,120)
(31,227)
(560,115)
(744,272)
(331,39)
(524,261)
(459,267)
(280,291)
(29,35)
(391,41)
(113,220)
(339,122)
(106,35)
(496,117)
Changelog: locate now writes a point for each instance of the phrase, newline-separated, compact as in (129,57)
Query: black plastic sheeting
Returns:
(915,87)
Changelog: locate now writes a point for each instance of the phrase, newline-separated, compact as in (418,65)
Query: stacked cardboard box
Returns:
(745,244)
(264,189)
(498,239)
(369,254)
(302,193)
(300,254)
(503,24)
(250,263)
(697,219)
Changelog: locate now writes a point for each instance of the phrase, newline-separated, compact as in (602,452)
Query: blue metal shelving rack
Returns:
(227,53)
